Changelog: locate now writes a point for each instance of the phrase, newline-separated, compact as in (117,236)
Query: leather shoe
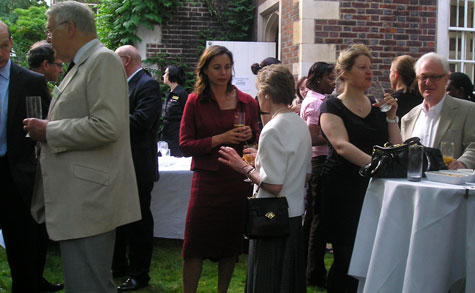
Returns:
(132,284)
(50,287)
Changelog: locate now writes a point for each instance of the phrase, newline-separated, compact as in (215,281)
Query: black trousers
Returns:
(25,240)
(315,244)
(134,241)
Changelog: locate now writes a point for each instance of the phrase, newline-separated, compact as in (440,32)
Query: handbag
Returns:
(267,217)
(390,161)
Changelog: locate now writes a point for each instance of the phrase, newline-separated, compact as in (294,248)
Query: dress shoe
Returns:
(50,287)
(132,284)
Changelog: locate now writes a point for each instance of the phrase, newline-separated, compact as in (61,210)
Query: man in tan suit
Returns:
(86,186)
(441,117)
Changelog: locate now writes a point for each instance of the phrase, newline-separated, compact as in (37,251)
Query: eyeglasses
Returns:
(49,31)
(59,64)
(433,78)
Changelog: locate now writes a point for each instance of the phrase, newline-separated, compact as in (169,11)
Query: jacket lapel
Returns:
(13,96)
(448,110)
(412,118)
(72,73)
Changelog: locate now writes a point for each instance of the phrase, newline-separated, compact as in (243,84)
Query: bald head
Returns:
(6,44)
(130,58)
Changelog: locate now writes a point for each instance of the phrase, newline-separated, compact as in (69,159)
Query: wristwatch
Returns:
(395,120)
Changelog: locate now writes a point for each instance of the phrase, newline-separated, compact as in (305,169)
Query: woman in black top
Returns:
(352,124)
(403,81)
(175,101)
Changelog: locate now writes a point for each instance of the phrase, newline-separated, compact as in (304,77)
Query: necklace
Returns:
(278,111)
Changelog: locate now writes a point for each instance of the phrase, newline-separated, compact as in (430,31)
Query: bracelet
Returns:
(395,120)
(249,173)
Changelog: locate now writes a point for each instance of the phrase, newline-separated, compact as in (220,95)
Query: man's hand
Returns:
(454,165)
(36,128)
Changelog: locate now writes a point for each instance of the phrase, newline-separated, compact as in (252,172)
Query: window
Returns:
(462,37)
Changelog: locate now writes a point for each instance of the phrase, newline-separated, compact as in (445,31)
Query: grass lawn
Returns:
(165,271)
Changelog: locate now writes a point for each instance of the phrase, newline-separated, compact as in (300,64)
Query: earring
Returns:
(318,81)
(266,97)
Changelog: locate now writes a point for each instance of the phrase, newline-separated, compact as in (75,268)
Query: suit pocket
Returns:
(91,175)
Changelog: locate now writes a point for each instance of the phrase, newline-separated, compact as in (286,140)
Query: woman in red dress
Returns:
(216,212)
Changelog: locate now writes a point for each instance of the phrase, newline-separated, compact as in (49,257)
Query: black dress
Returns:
(173,111)
(405,102)
(342,187)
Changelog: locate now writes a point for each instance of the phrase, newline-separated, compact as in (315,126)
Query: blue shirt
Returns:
(4,83)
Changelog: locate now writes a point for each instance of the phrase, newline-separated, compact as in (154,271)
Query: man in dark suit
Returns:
(25,240)
(144,106)
(42,59)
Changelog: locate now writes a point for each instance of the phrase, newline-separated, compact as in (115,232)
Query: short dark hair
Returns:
(268,61)
(461,80)
(39,52)
(316,72)
(176,74)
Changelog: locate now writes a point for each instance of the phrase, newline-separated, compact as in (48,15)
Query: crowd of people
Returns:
(82,174)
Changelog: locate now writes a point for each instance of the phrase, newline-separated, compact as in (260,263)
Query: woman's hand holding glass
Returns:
(388,101)
(230,157)
(236,135)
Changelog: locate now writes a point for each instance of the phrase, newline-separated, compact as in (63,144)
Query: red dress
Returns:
(216,211)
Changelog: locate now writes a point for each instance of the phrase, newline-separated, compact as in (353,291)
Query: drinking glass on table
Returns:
(447,149)
(414,165)
(162,147)
(378,94)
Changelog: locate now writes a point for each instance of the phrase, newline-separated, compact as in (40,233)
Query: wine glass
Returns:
(239,119)
(162,147)
(249,157)
(447,149)
(33,108)
(378,94)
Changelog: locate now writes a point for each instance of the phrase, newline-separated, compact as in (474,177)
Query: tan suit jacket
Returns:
(87,183)
(456,124)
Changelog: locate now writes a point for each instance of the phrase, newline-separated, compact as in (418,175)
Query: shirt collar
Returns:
(314,94)
(5,71)
(133,74)
(83,50)
(434,111)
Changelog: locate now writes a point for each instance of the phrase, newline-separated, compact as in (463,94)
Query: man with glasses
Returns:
(440,117)
(86,184)
(41,58)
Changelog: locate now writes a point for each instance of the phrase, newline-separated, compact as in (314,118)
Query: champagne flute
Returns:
(239,119)
(249,157)
(378,94)
(33,108)
(447,149)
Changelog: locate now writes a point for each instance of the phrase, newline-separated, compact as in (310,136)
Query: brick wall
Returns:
(390,29)
(184,36)
(290,14)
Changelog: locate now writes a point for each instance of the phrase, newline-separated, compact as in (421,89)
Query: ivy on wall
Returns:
(118,20)
(236,17)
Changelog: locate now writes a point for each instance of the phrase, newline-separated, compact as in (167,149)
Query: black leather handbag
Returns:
(267,217)
(390,161)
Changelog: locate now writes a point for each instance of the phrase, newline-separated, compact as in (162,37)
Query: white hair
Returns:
(78,13)
(433,57)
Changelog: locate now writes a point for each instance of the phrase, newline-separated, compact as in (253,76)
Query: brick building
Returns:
(313,30)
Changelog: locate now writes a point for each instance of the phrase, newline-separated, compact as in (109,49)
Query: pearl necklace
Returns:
(278,111)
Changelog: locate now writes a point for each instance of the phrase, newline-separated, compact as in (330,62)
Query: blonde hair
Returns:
(277,81)
(347,57)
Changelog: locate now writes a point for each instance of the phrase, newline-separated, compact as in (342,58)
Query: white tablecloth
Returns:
(170,197)
(415,237)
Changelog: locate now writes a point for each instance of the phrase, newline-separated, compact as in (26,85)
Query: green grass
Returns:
(165,271)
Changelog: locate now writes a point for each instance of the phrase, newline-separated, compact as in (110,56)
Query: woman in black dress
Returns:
(175,101)
(403,81)
(352,124)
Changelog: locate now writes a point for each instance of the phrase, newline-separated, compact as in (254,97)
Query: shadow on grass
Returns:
(165,270)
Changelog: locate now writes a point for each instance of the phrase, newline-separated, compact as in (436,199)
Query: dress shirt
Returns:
(83,50)
(427,123)
(310,113)
(133,74)
(4,83)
